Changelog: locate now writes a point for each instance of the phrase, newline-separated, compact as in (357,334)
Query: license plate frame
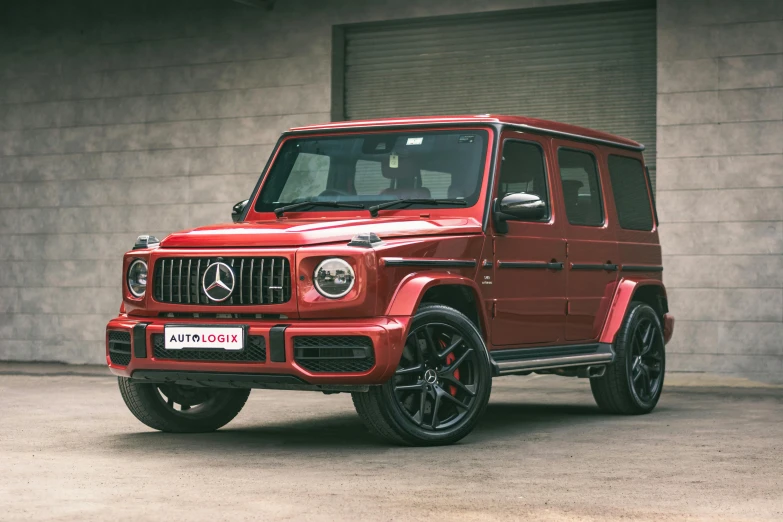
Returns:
(205,329)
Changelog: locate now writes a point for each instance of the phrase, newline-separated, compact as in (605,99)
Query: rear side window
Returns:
(631,196)
(581,188)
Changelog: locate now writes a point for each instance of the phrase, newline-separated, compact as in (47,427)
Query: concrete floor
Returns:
(69,450)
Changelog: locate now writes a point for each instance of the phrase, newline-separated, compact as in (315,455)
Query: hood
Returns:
(291,233)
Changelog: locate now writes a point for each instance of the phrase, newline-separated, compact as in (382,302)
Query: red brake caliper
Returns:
(450,358)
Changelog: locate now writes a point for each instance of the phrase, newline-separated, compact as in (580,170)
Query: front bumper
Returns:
(278,370)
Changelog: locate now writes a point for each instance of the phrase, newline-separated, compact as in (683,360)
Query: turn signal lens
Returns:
(334,278)
(137,278)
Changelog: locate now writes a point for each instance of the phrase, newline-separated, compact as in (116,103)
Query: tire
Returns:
(201,409)
(633,383)
(441,387)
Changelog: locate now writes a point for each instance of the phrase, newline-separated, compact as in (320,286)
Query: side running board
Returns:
(528,359)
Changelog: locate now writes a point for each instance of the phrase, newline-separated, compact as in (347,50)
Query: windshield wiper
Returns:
(303,204)
(412,201)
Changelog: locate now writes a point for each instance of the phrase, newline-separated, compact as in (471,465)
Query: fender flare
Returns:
(411,290)
(620,303)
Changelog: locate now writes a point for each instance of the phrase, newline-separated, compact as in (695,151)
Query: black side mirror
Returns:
(238,211)
(519,206)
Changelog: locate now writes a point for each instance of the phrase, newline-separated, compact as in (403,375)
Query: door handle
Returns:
(610,267)
(554,265)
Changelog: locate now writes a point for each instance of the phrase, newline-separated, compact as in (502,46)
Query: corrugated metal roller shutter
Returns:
(587,65)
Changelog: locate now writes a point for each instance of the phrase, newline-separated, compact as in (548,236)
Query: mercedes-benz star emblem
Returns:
(218,281)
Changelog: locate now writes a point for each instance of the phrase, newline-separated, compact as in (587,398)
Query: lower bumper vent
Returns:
(334,354)
(119,347)
(255,351)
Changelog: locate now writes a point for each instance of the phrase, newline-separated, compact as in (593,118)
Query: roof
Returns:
(525,123)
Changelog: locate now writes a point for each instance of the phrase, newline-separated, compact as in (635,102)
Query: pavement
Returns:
(70,450)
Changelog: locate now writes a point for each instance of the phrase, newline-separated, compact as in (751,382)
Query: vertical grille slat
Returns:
(250,299)
(257,280)
(188,292)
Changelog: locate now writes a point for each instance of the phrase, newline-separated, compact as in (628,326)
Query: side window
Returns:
(369,180)
(523,170)
(581,188)
(631,197)
(309,176)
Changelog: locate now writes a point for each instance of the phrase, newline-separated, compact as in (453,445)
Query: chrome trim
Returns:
(544,363)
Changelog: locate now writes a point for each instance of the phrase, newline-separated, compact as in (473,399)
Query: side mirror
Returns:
(238,210)
(518,206)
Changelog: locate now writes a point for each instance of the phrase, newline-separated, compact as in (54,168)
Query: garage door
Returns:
(588,65)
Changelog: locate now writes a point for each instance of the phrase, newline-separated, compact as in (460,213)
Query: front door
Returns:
(592,247)
(529,286)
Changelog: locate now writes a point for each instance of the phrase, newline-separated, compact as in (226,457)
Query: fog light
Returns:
(334,278)
(137,278)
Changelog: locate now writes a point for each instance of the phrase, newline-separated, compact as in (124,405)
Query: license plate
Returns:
(207,337)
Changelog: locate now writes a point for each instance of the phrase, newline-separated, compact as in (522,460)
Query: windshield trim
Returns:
(486,169)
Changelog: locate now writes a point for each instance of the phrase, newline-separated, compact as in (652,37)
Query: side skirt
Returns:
(516,360)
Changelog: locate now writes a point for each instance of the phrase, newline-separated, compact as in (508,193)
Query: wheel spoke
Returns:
(184,407)
(470,390)
(453,399)
(449,370)
(435,408)
(455,342)
(648,346)
(170,403)
(413,370)
(419,386)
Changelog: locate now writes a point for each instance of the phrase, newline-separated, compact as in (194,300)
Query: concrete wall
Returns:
(720,183)
(121,118)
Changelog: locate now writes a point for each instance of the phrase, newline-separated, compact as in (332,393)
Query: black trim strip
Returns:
(240,380)
(454,263)
(530,264)
(642,268)
(140,341)
(277,343)
(521,354)
(609,267)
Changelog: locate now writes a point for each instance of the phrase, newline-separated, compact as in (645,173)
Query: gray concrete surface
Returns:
(69,450)
(122,118)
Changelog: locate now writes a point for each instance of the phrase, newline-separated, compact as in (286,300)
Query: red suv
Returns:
(407,262)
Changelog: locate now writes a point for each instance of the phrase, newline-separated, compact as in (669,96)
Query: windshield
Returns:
(365,170)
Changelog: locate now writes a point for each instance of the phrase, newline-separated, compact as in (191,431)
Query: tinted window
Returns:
(365,170)
(523,170)
(631,196)
(581,188)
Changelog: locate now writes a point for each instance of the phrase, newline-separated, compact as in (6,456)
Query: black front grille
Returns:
(119,347)
(338,354)
(254,351)
(257,280)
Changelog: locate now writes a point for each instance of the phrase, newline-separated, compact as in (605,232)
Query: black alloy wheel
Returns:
(435,383)
(182,409)
(441,386)
(633,383)
(646,361)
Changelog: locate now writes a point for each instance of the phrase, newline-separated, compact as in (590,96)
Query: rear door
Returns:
(529,282)
(592,263)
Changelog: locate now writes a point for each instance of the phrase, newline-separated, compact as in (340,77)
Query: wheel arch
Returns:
(649,291)
(451,290)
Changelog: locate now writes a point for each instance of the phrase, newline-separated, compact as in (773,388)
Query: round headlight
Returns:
(334,278)
(137,278)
